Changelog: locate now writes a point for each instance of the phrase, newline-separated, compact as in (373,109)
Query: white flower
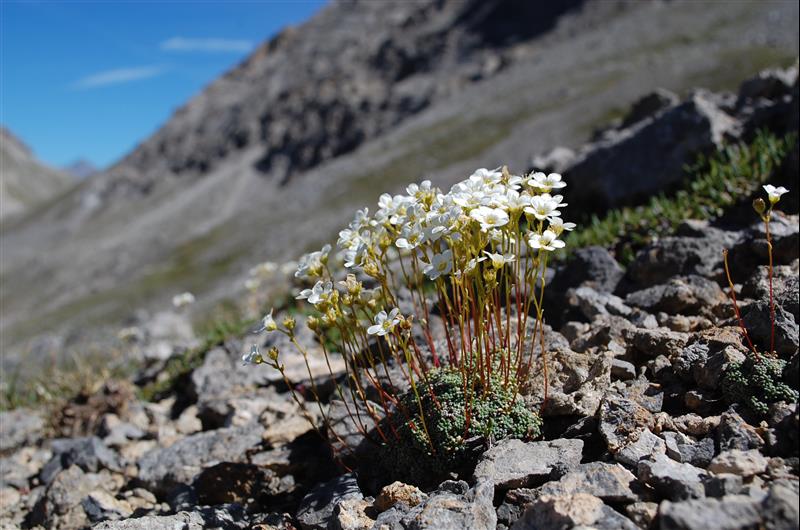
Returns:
(499,260)
(412,237)
(489,217)
(311,264)
(546,182)
(514,182)
(182,300)
(487,176)
(544,206)
(417,190)
(440,265)
(318,293)
(546,241)
(385,323)
(268,323)
(516,201)
(558,225)
(774,193)
(253,356)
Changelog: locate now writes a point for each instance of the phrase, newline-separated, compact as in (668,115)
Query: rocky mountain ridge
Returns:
(25,182)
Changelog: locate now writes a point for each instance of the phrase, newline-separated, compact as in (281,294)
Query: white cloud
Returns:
(182,44)
(117,76)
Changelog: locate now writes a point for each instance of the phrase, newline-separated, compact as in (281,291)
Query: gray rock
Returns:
(20,427)
(648,105)
(681,448)
(591,303)
(707,355)
(642,391)
(222,377)
(101,506)
(686,295)
(351,514)
(758,321)
(182,520)
(655,342)
(733,512)
(164,333)
(700,400)
(784,422)
(517,464)
(580,381)
(90,454)
(738,462)
(658,146)
(593,266)
(750,253)
(780,507)
(735,433)
(676,256)
(785,287)
(722,484)
(60,505)
(642,513)
(575,510)
(608,482)
(622,370)
(672,480)
(122,434)
(163,468)
(621,419)
(647,444)
(224,517)
(445,510)
(14,474)
(317,507)
(391,519)
(770,84)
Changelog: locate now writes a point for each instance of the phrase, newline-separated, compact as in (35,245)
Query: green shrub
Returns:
(496,412)
(756,383)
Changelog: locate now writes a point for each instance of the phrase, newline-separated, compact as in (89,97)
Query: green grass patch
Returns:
(713,184)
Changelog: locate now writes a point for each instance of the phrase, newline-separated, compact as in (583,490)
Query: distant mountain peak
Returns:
(24,180)
(81,168)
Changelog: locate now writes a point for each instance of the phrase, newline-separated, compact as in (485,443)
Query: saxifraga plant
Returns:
(758,380)
(477,257)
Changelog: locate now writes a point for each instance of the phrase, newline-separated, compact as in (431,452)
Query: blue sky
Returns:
(90,79)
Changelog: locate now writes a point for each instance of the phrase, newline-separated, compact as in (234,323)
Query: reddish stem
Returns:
(771,300)
(735,303)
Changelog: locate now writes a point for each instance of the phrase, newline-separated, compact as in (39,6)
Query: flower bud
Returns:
(313,323)
(272,353)
(289,322)
(371,269)
(759,206)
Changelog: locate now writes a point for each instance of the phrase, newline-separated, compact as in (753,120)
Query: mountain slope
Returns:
(24,181)
(273,156)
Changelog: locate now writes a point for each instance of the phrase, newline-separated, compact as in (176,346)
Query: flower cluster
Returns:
(478,252)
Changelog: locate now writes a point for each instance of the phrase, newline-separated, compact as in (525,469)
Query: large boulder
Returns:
(610,172)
